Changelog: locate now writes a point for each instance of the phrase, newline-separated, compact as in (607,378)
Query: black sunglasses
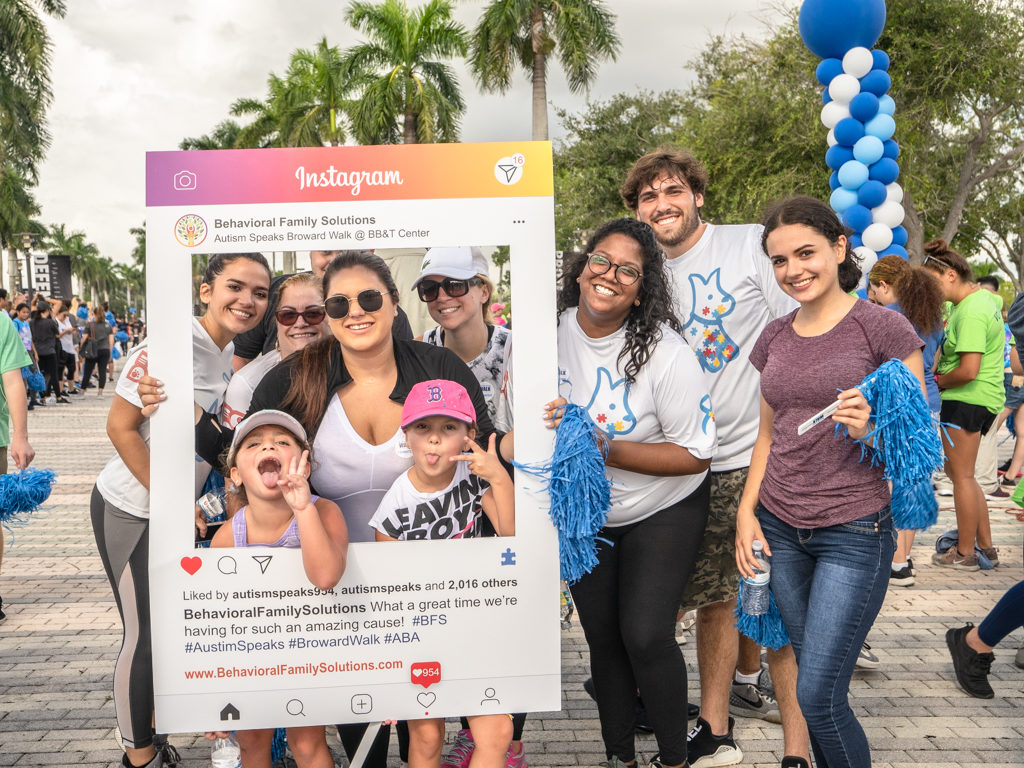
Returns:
(370,300)
(452,287)
(312,316)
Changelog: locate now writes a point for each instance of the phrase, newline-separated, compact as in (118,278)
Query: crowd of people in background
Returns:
(72,344)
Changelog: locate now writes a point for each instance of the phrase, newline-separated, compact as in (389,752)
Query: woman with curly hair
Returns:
(620,357)
(914,293)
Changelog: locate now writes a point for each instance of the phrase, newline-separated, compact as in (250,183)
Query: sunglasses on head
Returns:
(370,300)
(453,288)
(312,316)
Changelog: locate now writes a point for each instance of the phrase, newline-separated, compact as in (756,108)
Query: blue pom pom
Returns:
(828,69)
(122,336)
(881,60)
(904,441)
(22,493)
(767,629)
(579,489)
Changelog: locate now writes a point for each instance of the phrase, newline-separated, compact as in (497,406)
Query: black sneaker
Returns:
(904,577)
(704,749)
(166,750)
(2,614)
(792,761)
(971,667)
(910,565)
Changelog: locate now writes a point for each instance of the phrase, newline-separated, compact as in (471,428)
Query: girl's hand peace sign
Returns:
(294,485)
(484,464)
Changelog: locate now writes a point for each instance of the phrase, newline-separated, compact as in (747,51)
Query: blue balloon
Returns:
(881,59)
(868,150)
(857,217)
(848,130)
(833,184)
(828,69)
(830,28)
(877,81)
(826,97)
(885,170)
(864,106)
(890,149)
(853,174)
(871,194)
(899,236)
(881,126)
(886,105)
(855,240)
(836,156)
(895,250)
(842,199)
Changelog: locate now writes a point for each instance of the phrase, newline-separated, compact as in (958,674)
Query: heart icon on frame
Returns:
(426,699)
(191,564)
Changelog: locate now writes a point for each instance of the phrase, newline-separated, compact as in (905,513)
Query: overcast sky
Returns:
(133,76)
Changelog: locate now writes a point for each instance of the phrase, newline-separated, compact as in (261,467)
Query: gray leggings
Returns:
(123,543)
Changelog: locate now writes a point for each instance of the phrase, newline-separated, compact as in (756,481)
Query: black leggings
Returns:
(66,369)
(49,368)
(627,607)
(100,361)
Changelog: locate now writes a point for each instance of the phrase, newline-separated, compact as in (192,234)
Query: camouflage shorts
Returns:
(715,577)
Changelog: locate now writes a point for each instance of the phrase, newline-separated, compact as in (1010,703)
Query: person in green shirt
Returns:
(13,407)
(969,375)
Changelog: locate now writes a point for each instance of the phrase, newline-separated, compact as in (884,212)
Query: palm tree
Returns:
(25,91)
(315,98)
(17,207)
(580,33)
(404,72)
(223,136)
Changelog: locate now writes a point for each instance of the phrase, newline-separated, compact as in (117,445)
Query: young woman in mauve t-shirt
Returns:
(821,511)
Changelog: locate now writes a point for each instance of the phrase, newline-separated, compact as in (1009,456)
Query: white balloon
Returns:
(843,88)
(889,213)
(831,139)
(877,236)
(867,260)
(833,112)
(894,192)
(858,62)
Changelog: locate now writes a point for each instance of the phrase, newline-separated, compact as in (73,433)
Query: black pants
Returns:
(100,362)
(627,607)
(66,368)
(48,367)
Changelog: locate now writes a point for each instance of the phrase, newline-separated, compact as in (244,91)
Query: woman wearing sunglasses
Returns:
(454,285)
(299,321)
(621,357)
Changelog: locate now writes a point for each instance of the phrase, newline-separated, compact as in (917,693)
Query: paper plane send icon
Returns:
(509,170)
(263,561)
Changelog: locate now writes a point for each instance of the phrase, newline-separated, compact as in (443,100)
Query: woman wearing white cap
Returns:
(455,286)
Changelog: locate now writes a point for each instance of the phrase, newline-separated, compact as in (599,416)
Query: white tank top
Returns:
(352,473)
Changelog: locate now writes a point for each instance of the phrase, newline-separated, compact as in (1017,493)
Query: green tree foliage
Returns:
(752,116)
(224,136)
(409,93)
(524,34)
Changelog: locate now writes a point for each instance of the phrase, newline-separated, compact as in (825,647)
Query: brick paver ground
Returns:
(58,644)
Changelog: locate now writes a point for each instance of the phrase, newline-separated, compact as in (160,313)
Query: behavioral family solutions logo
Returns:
(190,230)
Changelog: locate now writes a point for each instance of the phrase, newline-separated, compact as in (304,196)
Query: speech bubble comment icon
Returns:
(227,565)
(425,673)
(295,707)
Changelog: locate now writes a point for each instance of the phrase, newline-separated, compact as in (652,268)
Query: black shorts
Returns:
(967,416)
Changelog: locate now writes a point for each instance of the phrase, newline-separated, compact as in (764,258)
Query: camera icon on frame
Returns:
(185,181)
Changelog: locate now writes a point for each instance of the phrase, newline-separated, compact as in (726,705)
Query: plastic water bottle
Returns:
(755,590)
(566,607)
(225,753)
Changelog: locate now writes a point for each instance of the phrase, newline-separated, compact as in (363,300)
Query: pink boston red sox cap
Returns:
(438,397)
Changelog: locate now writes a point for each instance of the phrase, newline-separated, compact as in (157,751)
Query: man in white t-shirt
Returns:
(725,293)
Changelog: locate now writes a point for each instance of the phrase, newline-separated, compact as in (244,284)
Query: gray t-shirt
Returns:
(818,479)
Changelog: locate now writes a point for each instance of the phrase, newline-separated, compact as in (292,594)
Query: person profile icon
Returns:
(489,697)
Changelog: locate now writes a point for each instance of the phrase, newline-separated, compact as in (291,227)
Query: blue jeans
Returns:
(829,584)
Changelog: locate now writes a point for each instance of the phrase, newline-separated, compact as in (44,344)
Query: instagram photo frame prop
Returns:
(414,629)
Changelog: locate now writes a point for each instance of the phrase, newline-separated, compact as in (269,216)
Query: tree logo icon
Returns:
(190,230)
(509,170)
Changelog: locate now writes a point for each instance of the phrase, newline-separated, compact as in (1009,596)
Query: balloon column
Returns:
(859,115)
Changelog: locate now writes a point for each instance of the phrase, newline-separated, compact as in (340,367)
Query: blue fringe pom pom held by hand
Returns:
(905,441)
(22,493)
(766,630)
(579,489)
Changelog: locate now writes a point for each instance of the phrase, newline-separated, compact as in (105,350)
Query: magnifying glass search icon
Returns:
(295,707)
